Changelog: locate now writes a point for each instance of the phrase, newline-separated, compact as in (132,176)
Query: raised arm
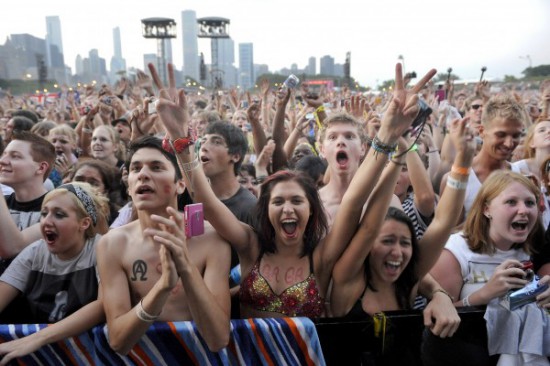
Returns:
(173,113)
(396,121)
(280,160)
(424,196)
(253,113)
(361,241)
(449,207)
(295,134)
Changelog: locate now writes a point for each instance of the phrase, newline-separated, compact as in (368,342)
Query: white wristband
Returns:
(456,184)
(466,301)
(143,315)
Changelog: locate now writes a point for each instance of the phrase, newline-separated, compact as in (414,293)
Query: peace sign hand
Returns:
(171,106)
(403,107)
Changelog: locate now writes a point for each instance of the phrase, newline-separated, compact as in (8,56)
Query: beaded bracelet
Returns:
(143,315)
(381,147)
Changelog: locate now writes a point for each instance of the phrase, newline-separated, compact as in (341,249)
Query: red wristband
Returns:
(179,144)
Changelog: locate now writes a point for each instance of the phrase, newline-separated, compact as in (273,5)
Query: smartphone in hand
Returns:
(194,220)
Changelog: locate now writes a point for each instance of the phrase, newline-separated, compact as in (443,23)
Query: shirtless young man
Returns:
(149,271)
(342,145)
(139,262)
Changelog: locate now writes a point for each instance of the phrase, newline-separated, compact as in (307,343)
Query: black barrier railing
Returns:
(394,339)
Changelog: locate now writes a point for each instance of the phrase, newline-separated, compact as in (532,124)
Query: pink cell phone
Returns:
(194,220)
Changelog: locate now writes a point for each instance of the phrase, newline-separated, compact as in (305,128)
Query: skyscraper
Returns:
(54,43)
(226,59)
(327,65)
(311,66)
(246,65)
(118,64)
(116,43)
(189,28)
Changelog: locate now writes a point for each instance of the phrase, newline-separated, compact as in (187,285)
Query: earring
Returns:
(488,216)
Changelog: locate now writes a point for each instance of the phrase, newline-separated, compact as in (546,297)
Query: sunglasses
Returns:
(476,106)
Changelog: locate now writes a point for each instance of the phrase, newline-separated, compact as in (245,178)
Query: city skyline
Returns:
(282,34)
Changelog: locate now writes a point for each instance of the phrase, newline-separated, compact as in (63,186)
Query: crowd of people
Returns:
(316,203)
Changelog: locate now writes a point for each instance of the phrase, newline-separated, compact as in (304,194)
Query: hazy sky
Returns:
(464,35)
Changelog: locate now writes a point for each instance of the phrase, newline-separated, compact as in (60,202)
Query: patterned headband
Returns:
(83,197)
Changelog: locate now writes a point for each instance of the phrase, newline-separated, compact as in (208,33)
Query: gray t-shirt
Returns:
(54,288)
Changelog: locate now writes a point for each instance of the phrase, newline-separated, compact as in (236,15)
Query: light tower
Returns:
(214,28)
(161,29)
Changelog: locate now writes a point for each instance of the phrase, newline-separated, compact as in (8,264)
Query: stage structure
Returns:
(161,29)
(214,28)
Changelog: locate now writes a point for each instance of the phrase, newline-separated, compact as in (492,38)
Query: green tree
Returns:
(510,79)
(537,71)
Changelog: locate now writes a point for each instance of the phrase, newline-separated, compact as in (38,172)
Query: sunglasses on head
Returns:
(476,106)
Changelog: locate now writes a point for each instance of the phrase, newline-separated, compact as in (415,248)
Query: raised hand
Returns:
(403,107)
(121,86)
(262,163)
(171,106)
(145,82)
(462,137)
(254,111)
(264,88)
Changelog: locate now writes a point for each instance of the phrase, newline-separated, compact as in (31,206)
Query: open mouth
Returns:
(144,189)
(393,267)
(342,158)
(519,225)
(290,226)
(204,159)
(50,236)
(393,264)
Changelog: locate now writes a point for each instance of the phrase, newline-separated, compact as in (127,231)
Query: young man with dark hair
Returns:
(149,270)
(222,152)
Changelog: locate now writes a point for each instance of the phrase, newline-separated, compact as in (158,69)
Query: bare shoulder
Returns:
(208,245)
(120,237)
